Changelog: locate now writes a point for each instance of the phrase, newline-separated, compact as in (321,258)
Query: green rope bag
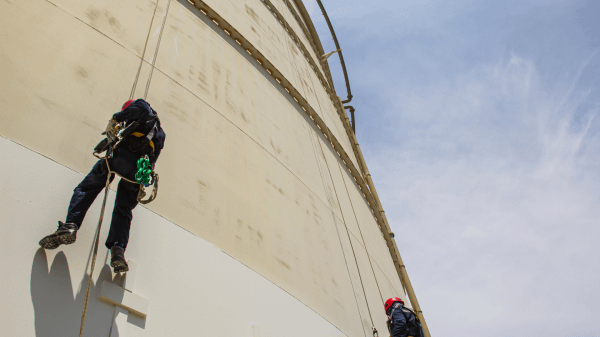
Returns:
(144,171)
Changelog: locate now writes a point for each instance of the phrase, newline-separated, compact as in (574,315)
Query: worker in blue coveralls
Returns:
(402,322)
(146,138)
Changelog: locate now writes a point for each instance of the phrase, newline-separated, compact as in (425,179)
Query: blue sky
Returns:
(479,123)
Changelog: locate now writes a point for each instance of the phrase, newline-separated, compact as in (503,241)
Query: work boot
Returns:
(117,259)
(65,234)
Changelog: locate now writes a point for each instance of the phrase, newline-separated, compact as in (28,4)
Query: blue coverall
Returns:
(402,322)
(124,162)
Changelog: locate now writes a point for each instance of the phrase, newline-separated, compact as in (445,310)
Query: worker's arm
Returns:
(158,144)
(399,326)
(112,129)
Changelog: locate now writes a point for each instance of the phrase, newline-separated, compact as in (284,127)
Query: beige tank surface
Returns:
(266,221)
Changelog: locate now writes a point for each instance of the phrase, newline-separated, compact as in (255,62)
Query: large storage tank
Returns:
(264,223)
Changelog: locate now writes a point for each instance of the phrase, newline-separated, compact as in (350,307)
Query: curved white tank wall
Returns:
(257,219)
(193,287)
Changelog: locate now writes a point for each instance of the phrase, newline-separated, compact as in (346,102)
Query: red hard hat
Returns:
(391,301)
(126,104)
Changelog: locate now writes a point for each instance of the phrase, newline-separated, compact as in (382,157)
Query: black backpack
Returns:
(138,142)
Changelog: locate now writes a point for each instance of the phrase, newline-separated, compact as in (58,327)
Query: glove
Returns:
(102,146)
(112,130)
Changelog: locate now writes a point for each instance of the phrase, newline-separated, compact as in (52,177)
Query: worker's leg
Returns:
(118,235)
(124,163)
(83,197)
(122,214)
(86,192)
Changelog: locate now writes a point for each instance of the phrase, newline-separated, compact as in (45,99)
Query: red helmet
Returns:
(391,301)
(126,104)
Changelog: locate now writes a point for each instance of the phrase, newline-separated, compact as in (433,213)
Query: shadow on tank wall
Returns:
(57,312)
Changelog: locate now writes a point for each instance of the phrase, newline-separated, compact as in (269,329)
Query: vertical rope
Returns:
(337,230)
(335,222)
(361,235)
(333,214)
(137,76)
(352,248)
(96,243)
(156,51)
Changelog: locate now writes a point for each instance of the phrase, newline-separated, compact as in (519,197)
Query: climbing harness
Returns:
(152,180)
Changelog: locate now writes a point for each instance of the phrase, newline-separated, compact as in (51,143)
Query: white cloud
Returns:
(491,184)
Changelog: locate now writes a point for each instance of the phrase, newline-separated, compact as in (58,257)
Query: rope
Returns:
(336,226)
(142,192)
(96,243)
(362,237)
(336,229)
(353,251)
(156,51)
(143,54)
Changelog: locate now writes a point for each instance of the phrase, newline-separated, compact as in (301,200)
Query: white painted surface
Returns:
(119,327)
(118,296)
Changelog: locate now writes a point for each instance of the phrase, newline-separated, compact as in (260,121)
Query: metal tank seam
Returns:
(278,286)
(92,27)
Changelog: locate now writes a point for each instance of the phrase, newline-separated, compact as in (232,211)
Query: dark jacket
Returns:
(141,110)
(402,322)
